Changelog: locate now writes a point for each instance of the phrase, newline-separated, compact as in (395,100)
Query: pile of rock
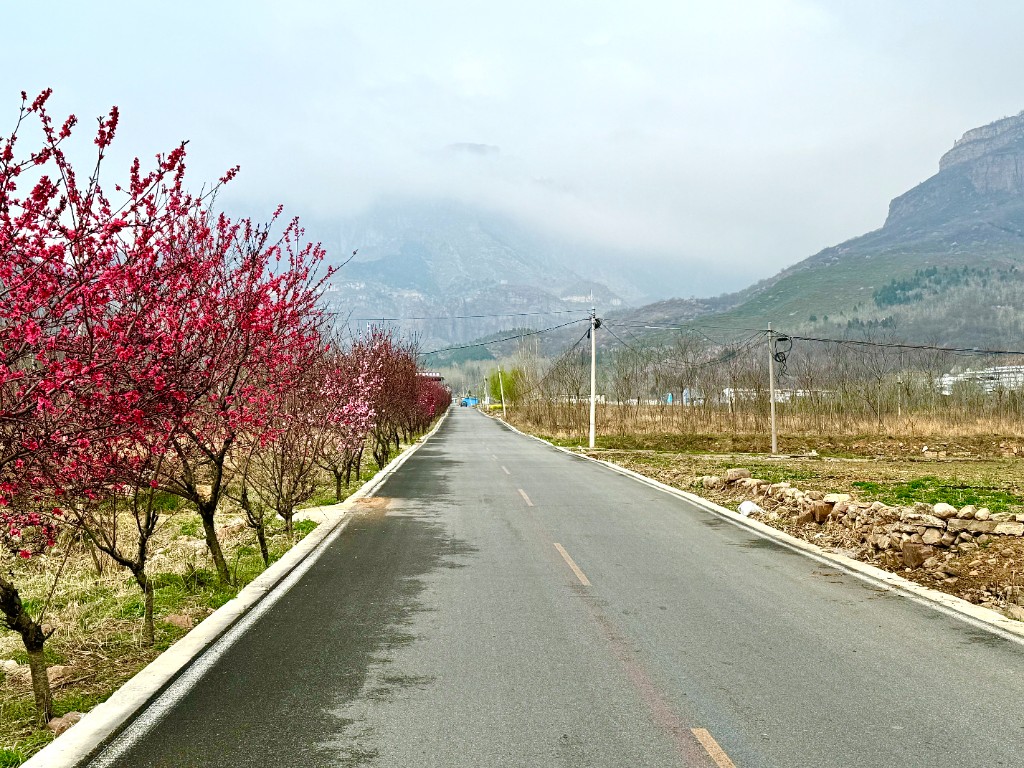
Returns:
(917,533)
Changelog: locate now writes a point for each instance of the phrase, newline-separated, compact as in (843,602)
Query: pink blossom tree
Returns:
(84,387)
(261,326)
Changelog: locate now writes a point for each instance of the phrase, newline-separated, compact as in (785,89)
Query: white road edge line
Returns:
(955,607)
(176,670)
(525,497)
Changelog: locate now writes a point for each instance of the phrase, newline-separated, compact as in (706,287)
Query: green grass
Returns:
(52,657)
(324,497)
(23,749)
(933,490)
(778,473)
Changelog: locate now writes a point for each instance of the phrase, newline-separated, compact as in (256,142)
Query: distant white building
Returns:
(990,379)
(731,395)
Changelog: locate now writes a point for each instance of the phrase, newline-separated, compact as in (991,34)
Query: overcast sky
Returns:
(749,134)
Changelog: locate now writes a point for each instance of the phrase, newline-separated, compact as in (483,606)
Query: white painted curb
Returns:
(106,719)
(982,618)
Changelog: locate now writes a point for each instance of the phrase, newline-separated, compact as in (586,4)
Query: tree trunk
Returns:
(213,544)
(148,628)
(337,483)
(32,637)
(40,681)
(261,537)
(286,515)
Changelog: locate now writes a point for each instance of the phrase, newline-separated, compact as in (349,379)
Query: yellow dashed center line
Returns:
(525,497)
(711,747)
(575,568)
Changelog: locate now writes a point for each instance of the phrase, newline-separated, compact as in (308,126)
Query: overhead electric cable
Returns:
(693,327)
(554,366)
(508,338)
(463,317)
(899,345)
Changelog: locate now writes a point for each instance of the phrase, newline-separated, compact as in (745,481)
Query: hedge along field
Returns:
(162,365)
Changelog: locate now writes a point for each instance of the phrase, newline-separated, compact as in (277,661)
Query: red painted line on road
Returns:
(663,713)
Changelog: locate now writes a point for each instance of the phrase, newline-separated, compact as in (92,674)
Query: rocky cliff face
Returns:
(992,156)
(977,142)
(982,176)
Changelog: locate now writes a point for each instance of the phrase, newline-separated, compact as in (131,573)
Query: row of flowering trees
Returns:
(150,346)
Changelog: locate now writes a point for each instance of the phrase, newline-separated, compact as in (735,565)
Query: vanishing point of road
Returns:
(501,603)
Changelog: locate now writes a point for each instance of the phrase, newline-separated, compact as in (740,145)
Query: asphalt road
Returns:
(504,604)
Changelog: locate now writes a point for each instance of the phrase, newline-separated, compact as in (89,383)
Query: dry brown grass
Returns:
(678,428)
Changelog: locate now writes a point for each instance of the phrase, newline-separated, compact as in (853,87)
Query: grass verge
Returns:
(96,610)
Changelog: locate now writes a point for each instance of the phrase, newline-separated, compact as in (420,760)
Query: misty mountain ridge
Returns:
(421,258)
(946,266)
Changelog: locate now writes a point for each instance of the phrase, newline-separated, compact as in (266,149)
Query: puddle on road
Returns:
(758,543)
(980,637)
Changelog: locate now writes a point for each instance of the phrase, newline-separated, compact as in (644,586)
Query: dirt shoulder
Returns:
(888,519)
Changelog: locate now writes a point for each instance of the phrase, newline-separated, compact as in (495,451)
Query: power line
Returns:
(554,366)
(459,317)
(824,340)
(742,345)
(508,338)
(694,327)
(631,348)
(899,345)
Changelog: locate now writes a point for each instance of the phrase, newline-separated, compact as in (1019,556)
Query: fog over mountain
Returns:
(737,134)
(660,148)
(444,258)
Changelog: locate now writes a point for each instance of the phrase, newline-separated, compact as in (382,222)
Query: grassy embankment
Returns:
(96,610)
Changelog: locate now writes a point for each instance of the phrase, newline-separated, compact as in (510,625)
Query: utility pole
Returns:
(593,375)
(771,387)
(501,389)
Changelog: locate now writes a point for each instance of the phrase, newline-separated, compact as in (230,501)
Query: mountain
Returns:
(946,266)
(441,259)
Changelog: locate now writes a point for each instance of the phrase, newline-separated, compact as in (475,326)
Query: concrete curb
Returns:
(975,615)
(105,720)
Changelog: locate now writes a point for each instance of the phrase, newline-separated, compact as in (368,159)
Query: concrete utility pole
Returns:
(501,389)
(593,375)
(771,387)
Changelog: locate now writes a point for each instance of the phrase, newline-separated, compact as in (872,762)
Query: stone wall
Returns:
(916,534)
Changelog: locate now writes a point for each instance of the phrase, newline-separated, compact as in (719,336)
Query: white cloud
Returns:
(748,133)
